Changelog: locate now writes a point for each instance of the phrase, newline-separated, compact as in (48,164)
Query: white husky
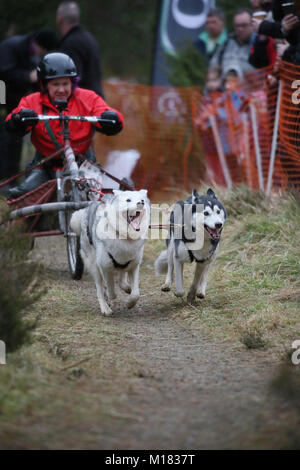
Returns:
(198,215)
(112,237)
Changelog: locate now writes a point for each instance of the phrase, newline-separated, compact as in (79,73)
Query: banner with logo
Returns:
(180,21)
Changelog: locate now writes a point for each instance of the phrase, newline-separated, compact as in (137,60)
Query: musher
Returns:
(58,82)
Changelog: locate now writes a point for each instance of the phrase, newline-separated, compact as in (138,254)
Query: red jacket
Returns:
(81,103)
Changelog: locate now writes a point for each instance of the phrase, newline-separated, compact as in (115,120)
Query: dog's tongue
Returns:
(135,221)
(214,232)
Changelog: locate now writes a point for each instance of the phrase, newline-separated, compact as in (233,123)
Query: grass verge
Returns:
(253,294)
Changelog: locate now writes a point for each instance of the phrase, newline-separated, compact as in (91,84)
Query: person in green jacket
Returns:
(214,34)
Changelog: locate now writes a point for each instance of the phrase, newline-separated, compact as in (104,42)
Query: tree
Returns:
(125,31)
(187,68)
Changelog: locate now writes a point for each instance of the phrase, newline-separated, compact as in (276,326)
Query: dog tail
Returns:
(75,222)
(161,263)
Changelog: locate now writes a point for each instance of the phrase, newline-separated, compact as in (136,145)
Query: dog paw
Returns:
(112,297)
(191,297)
(126,288)
(200,295)
(165,288)
(132,301)
(106,310)
(179,293)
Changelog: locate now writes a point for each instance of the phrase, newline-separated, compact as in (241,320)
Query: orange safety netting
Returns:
(185,136)
(159,125)
(289,124)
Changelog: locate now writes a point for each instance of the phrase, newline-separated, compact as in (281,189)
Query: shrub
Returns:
(253,339)
(187,68)
(20,284)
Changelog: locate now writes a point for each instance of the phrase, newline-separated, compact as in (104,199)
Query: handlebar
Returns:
(68,151)
(42,117)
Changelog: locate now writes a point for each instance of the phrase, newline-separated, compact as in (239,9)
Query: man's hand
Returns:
(111,128)
(256,24)
(281,48)
(289,22)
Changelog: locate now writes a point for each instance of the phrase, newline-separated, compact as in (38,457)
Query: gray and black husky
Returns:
(195,229)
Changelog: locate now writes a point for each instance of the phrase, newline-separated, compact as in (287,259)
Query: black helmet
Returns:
(56,65)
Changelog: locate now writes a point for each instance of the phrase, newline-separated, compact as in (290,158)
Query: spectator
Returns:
(224,109)
(232,78)
(280,45)
(215,34)
(213,81)
(283,25)
(236,49)
(19,56)
(255,5)
(80,45)
(262,5)
(57,76)
(266,5)
(262,52)
(286,25)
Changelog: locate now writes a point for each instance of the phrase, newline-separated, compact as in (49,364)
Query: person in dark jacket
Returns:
(262,52)
(19,56)
(80,45)
(286,25)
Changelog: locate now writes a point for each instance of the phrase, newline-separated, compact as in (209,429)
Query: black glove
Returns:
(16,125)
(109,128)
(25,113)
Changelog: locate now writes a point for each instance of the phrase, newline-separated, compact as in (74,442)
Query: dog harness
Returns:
(118,265)
(89,235)
(115,263)
(211,252)
(91,215)
(90,218)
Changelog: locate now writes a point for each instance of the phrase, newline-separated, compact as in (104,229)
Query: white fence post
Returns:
(247,149)
(257,147)
(274,140)
(221,155)
(2,92)
(2,352)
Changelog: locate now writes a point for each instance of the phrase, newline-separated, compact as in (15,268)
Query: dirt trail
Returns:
(195,394)
(152,382)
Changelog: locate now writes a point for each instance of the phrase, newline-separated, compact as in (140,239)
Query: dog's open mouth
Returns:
(214,233)
(135,220)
